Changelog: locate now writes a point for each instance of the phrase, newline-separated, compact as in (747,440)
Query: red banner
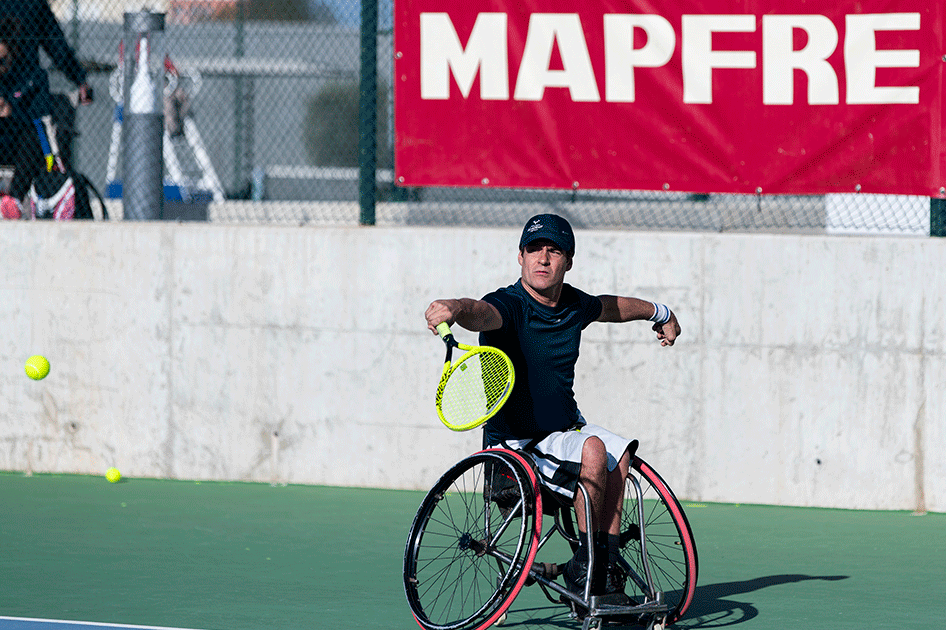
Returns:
(761,96)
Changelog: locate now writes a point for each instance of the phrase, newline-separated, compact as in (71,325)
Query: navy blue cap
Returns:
(551,227)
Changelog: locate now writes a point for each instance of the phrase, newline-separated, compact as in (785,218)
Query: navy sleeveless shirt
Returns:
(543,345)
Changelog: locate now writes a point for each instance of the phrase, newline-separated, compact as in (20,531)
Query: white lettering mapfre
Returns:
(443,57)
(672,95)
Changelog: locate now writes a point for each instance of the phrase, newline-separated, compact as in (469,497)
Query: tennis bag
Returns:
(65,196)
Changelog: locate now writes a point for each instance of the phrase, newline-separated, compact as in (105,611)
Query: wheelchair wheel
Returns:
(670,544)
(472,542)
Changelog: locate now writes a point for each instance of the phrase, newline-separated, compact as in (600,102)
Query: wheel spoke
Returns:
(463,551)
(670,547)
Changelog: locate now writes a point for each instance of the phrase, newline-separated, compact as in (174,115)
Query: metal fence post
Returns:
(368,112)
(937,216)
(143,118)
(239,139)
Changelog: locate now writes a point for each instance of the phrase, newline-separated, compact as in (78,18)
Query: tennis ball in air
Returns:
(37,367)
(112,475)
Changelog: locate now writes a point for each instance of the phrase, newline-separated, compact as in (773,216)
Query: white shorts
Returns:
(558,457)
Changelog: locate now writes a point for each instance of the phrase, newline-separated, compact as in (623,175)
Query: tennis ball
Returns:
(112,475)
(37,367)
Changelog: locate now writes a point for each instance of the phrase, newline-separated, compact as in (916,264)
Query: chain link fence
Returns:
(262,125)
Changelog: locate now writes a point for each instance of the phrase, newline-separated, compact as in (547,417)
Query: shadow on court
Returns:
(713,607)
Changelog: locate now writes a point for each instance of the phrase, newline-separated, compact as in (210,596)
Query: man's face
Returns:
(544,266)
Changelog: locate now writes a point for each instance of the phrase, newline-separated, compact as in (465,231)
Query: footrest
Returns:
(608,606)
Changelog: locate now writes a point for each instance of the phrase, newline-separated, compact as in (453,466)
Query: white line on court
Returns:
(27,622)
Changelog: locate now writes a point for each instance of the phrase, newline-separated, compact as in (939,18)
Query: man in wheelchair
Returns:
(538,322)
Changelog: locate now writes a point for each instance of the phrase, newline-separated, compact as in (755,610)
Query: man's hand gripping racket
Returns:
(475,387)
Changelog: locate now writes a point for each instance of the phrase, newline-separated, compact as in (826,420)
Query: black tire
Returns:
(472,542)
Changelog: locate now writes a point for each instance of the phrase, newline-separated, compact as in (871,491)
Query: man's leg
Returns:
(605,489)
(614,496)
(594,477)
(28,163)
(613,509)
(606,493)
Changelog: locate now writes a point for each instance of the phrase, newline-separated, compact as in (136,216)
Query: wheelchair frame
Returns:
(466,561)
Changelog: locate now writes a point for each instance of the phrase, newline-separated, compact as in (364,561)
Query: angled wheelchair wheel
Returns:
(668,538)
(472,542)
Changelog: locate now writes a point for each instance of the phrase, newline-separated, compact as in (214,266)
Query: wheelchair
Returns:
(474,542)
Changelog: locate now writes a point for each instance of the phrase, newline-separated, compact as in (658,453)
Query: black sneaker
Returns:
(614,590)
(575,574)
(617,579)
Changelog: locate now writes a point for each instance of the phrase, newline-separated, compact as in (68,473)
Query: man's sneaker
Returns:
(10,207)
(576,576)
(614,591)
(617,578)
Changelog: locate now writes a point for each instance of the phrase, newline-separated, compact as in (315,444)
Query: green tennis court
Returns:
(236,556)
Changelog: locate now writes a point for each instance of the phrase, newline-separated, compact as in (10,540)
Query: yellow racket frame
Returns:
(495,385)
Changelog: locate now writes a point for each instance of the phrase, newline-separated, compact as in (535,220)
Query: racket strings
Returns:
(474,387)
(495,375)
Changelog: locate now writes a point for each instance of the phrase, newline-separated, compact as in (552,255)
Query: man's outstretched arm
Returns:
(615,308)
(474,315)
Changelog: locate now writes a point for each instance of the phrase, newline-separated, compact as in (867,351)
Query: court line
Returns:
(26,621)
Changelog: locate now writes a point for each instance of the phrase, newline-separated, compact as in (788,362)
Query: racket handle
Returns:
(443,330)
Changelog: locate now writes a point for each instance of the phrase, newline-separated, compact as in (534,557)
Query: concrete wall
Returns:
(810,371)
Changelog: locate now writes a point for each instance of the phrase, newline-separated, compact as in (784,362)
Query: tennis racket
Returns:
(475,387)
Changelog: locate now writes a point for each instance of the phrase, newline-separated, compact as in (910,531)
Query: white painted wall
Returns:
(179,350)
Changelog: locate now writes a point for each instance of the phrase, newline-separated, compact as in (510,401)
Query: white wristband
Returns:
(661,314)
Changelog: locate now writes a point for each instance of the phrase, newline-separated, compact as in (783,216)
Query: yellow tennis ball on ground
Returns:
(37,367)
(112,475)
